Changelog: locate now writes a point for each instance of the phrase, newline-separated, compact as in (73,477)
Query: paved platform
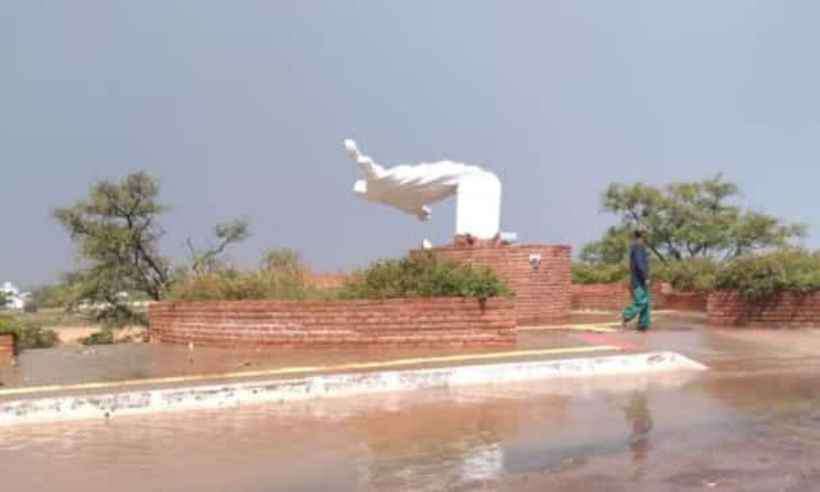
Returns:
(748,423)
(132,366)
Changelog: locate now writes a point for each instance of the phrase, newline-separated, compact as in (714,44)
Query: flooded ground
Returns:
(127,362)
(74,364)
(751,423)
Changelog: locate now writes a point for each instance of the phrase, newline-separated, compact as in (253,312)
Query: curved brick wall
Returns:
(728,308)
(404,322)
(541,296)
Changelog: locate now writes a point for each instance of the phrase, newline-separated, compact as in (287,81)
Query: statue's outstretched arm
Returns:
(366,164)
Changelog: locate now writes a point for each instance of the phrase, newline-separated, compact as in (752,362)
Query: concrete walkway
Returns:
(72,365)
(71,383)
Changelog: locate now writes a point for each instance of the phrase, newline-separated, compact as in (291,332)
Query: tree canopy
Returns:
(687,221)
(117,234)
(209,260)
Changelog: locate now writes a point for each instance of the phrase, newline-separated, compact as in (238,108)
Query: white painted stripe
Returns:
(330,385)
(29,390)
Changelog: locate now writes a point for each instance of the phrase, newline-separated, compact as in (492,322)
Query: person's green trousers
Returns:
(641,306)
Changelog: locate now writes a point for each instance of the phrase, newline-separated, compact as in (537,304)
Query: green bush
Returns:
(281,276)
(423,275)
(284,261)
(762,276)
(692,275)
(102,337)
(29,335)
(599,273)
(235,285)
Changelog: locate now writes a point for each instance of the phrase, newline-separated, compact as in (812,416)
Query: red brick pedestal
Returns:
(543,286)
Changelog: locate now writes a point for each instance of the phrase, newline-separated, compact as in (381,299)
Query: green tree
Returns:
(687,220)
(3,300)
(116,232)
(209,260)
(57,295)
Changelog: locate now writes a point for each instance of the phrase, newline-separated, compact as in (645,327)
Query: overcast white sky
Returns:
(240,109)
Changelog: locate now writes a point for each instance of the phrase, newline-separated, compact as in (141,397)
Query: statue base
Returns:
(539,274)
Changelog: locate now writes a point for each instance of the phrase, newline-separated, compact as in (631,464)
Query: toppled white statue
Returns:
(413,188)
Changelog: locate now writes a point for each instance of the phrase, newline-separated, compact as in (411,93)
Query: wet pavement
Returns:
(125,362)
(750,423)
(75,364)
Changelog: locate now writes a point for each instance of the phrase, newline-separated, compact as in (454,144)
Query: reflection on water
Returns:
(639,418)
(457,440)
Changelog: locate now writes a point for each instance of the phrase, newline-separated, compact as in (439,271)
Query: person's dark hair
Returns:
(638,234)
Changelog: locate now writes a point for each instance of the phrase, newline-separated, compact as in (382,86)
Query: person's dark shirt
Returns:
(638,265)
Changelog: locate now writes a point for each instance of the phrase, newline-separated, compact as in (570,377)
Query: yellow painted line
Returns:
(596,327)
(307,369)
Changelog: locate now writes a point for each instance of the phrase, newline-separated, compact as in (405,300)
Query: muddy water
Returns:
(726,430)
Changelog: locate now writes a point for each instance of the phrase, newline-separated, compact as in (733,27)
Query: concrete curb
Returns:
(235,394)
(119,386)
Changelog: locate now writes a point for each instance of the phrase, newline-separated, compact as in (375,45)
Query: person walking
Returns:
(639,284)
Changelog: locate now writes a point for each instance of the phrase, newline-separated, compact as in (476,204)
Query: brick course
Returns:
(786,310)
(542,296)
(401,322)
(614,297)
(600,297)
(6,349)
(685,301)
(610,297)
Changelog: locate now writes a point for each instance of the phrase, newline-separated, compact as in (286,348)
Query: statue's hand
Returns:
(424,213)
(352,150)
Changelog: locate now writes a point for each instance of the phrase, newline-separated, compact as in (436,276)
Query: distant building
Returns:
(14,298)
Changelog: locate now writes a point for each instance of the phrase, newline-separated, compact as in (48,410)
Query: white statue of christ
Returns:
(413,188)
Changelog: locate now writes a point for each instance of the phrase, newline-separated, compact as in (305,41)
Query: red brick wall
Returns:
(541,296)
(728,308)
(6,349)
(685,301)
(403,322)
(615,297)
(600,297)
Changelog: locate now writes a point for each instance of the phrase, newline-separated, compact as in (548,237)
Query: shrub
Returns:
(599,273)
(235,285)
(692,275)
(760,277)
(102,337)
(29,335)
(8,325)
(282,276)
(422,275)
(284,261)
